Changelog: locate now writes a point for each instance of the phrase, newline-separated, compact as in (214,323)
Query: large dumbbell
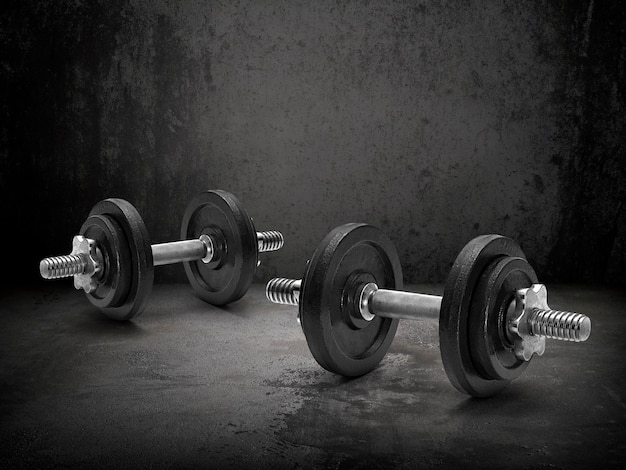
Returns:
(113,261)
(493,316)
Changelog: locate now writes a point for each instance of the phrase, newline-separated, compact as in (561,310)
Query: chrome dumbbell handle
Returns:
(202,248)
(186,250)
(372,300)
(529,320)
(398,304)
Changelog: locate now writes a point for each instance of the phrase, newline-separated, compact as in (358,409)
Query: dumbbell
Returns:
(493,316)
(113,261)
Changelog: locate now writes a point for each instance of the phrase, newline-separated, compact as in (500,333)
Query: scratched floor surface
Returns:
(191,385)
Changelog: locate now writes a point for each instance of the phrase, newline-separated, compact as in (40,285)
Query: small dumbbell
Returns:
(113,261)
(493,316)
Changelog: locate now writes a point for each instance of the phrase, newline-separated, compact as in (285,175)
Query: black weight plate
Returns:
(347,252)
(115,279)
(455,310)
(219,214)
(492,351)
(142,268)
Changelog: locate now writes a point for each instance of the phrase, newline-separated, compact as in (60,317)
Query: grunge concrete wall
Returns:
(436,121)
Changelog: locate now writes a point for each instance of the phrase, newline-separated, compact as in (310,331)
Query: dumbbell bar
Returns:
(539,322)
(202,248)
(86,259)
(493,316)
(112,259)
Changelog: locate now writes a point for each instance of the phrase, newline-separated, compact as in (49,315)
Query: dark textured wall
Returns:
(436,121)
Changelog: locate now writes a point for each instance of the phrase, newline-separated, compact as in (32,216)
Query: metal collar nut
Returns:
(92,259)
(519,325)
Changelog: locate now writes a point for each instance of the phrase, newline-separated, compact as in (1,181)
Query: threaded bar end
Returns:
(283,291)
(270,240)
(57,267)
(565,326)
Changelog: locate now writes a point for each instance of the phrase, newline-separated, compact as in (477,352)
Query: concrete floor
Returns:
(187,384)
